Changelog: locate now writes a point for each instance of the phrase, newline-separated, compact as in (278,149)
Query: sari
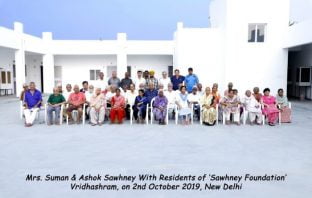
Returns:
(209,112)
(270,110)
(117,110)
(285,110)
(160,108)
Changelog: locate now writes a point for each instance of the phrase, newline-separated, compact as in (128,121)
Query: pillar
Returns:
(19,60)
(122,54)
(48,64)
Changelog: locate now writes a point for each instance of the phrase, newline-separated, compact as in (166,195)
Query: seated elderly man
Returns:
(171,96)
(253,108)
(76,101)
(130,98)
(160,107)
(97,108)
(32,100)
(194,98)
(55,101)
(230,104)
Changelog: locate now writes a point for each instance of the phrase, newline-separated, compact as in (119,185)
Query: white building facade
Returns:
(250,43)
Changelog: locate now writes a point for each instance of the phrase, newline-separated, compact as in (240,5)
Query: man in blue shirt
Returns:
(33,99)
(191,80)
(177,80)
(150,93)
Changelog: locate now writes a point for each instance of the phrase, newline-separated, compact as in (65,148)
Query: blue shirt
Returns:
(150,94)
(32,99)
(176,81)
(190,82)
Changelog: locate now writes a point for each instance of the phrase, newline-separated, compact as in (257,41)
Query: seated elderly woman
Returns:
(118,103)
(184,107)
(230,104)
(97,108)
(139,107)
(55,101)
(270,107)
(282,102)
(160,107)
(208,104)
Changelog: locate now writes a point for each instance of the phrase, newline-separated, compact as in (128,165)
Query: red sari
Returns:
(118,108)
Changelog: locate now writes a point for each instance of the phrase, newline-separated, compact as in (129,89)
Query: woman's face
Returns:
(117,92)
(183,90)
(207,90)
(267,93)
(141,93)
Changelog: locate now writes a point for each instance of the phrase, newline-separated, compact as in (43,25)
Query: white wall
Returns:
(75,69)
(158,63)
(256,64)
(6,63)
(33,71)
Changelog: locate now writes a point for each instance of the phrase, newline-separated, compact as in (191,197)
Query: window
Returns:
(256,33)
(9,77)
(94,74)
(3,77)
(304,76)
(129,70)
(170,71)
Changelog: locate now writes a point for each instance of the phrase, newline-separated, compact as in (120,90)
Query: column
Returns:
(122,54)
(48,64)
(19,60)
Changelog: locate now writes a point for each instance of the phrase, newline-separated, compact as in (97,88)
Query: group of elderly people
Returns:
(177,95)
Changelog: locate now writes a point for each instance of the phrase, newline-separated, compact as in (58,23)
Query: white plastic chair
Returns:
(201,115)
(146,116)
(223,115)
(46,114)
(177,114)
(76,111)
(167,116)
(22,107)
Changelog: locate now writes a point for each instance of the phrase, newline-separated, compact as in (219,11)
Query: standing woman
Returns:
(282,102)
(184,109)
(118,103)
(270,107)
(208,104)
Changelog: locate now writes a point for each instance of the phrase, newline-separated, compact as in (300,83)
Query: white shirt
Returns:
(194,97)
(88,95)
(165,82)
(130,97)
(66,94)
(139,81)
(100,84)
(171,97)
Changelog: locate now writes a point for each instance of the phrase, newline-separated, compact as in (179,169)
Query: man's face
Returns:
(91,89)
(76,89)
(164,74)
(207,90)
(151,86)
(127,75)
(68,88)
(231,94)
(131,87)
(56,91)
(85,86)
(98,91)
(170,87)
(190,72)
(101,75)
(177,73)
(114,74)
(230,85)
(194,90)
(248,93)
(32,86)
(139,74)
(199,86)
(256,90)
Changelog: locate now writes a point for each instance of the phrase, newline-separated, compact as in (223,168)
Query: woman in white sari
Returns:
(208,104)
(184,107)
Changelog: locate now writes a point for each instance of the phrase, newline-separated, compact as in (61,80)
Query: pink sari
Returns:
(270,110)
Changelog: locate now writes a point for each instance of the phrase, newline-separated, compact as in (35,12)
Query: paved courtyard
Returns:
(139,149)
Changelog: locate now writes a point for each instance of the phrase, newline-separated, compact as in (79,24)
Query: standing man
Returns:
(126,82)
(85,87)
(152,80)
(177,80)
(164,80)
(191,80)
(139,79)
(33,99)
(100,82)
(114,80)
